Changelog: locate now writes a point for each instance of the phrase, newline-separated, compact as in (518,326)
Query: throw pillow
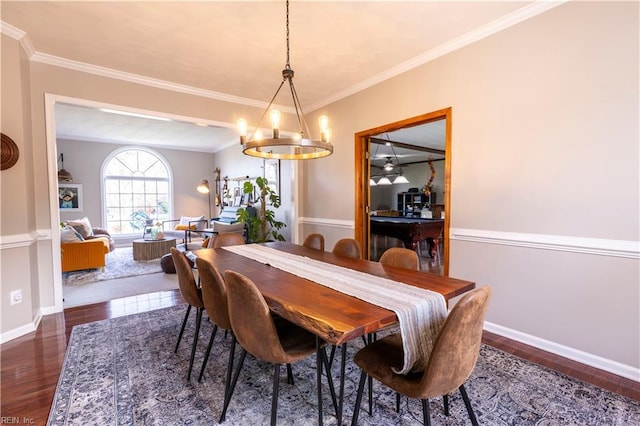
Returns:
(68,234)
(205,243)
(199,226)
(83,226)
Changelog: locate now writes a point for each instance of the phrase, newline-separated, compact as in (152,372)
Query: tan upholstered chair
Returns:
(450,364)
(277,342)
(227,239)
(347,247)
(192,295)
(314,241)
(214,296)
(401,257)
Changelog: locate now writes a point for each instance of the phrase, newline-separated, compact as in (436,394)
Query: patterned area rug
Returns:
(124,371)
(120,264)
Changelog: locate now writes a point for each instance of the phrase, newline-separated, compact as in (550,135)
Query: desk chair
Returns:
(450,363)
(192,295)
(347,247)
(314,241)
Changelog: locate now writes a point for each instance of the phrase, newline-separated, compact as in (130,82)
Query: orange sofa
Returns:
(88,254)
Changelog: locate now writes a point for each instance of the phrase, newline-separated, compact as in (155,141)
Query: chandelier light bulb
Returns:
(257,135)
(242,129)
(275,122)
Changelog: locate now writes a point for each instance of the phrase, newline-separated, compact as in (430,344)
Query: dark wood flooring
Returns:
(31,364)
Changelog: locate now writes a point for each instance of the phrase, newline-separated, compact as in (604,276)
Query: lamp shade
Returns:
(203,187)
(400,179)
(384,181)
(372,182)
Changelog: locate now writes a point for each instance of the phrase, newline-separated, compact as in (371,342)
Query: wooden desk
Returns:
(411,230)
(329,314)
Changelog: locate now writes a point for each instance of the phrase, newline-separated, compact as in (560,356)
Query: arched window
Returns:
(136,190)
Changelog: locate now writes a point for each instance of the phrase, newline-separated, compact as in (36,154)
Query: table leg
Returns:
(319,377)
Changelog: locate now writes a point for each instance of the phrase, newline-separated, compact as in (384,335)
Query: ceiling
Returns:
(236,50)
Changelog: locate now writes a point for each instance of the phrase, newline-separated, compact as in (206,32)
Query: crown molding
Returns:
(21,36)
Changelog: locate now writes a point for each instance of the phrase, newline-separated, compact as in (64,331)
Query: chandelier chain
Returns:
(288,66)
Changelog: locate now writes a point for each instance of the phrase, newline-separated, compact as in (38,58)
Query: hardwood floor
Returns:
(31,364)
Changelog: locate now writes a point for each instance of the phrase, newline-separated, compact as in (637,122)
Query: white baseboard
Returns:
(601,363)
(22,330)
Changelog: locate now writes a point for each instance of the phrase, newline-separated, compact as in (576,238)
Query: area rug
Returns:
(124,371)
(120,264)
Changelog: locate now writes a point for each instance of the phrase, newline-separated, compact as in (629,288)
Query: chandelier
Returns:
(298,147)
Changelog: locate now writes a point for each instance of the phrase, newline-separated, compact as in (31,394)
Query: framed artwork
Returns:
(70,197)
(272,174)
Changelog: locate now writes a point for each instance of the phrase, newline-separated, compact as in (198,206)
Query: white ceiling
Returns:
(236,50)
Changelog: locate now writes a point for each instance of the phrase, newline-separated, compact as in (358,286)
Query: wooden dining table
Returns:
(334,317)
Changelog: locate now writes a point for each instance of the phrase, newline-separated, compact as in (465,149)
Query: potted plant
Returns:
(261,226)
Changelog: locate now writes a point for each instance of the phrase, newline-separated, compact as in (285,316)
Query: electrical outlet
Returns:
(16,297)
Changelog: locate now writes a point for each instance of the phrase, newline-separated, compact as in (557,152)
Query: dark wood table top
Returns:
(336,317)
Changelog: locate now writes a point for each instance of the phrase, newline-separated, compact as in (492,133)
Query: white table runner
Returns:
(420,312)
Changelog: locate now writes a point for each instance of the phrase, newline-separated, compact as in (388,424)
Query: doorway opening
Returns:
(366,169)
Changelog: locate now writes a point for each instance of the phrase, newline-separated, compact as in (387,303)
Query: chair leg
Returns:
(397,402)
(229,393)
(199,312)
(184,323)
(467,404)
(274,395)
(446,404)
(356,409)
(227,381)
(289,374)
(206,355)
(426,416)
(332,389)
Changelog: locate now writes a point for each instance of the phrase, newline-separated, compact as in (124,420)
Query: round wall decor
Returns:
(9,152)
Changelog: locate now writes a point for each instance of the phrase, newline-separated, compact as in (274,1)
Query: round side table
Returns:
(152,249)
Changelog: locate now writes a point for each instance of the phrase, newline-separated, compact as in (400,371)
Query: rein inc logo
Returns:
(16,420)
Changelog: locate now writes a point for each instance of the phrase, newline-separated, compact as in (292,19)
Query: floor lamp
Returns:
(204,189)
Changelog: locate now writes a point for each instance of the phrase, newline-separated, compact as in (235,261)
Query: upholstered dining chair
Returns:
(401,257)
(314,241)
(277,342)
(227,239)
(347,247)
(214,296)
(192,295)
(450,363)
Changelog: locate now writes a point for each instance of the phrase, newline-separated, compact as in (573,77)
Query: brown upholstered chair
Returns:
(450,363)
(314,241)
(347,247)
(277,342)
(214,296)
(192,295)
(227,239)
(401,257)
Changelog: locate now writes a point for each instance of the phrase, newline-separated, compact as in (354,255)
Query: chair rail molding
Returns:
(598,246)
(335,223)
(23,240)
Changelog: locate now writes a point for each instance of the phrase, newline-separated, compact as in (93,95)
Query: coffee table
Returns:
(152,249)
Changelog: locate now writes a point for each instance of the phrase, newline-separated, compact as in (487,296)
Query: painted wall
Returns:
(544,148)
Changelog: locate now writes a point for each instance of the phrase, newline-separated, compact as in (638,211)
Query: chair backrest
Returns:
(251,319)
(457,347)
(186,280)
(401,257)
(314,241)
(227,239)
(347,247)
(214,293)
